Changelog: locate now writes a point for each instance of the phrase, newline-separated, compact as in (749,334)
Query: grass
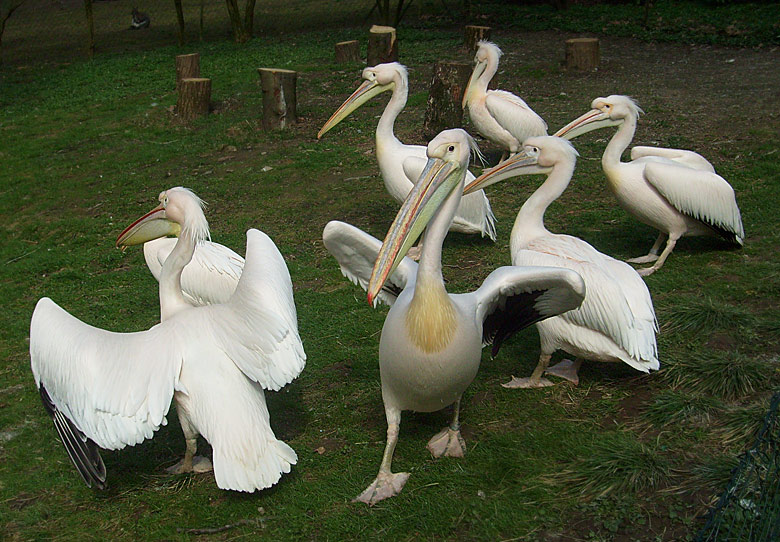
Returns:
(79,166)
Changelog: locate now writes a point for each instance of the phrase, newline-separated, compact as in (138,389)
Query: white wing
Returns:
(512,298)
(474,213)
(356,252)
(681,156)
(211,276)
(617,302)
(258,326)
(115,387)
(699,194)
(514,115)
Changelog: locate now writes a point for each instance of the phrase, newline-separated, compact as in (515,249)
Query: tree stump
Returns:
(582,53)
(187,66)
(472,35)
(445,97)
(347,51)
(279,97)
(194,98)
(382,45)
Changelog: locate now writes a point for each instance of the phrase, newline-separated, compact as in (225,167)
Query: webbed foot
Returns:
(566,369)
(198,465)
(386,485)
(527,383)
(447,442)
(649,258)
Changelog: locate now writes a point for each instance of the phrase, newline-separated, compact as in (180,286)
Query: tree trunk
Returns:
(279,97)
(382,45)
(444,108)
(4,16)
(472,35)
(90,27)
(187,66)
(194,98)
(180,20)
(582,53)
(249,18)
(347,51)
(236,21)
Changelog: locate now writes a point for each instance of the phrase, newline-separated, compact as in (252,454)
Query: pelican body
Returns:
(616,321)
(674,191)
(430,347)
(108,390)
(400,164)
(500,116)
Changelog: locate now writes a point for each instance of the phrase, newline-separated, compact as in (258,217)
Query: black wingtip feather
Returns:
(83,452)
(518,313)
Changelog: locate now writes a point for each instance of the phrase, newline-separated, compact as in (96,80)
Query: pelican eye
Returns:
(451,148)
(165,201)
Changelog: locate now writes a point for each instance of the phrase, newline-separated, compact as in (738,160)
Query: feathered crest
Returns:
(476,153)
(490,45)
(192,206)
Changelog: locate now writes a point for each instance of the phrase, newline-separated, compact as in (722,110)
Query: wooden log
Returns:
(444,109)
(187,66)
(582,53)
(472,35)
(382,45)
(194,98)
(279,97)
(347,51)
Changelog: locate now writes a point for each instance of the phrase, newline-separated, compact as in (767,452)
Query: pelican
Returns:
(616,321)
(401,164)
(108,390)
(500,116)
(676,192)
(431,341)
(211,276)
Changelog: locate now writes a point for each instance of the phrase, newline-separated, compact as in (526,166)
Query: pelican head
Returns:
(380,78)
(538,155)
(485,62)
(180,212)
(610,111)
(448,161)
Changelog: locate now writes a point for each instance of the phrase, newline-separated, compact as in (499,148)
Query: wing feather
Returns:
(681,156)
(211,276)
(512,298)
(258,326)
(356,252)
(115,388)
(514,115)
(705,196)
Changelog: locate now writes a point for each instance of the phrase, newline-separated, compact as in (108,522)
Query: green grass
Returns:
(86,147)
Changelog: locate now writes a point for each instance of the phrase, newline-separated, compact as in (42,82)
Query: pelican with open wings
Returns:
(675,191)
(108,390)
(616,321)
(431,341)
(402,164)
(500,116)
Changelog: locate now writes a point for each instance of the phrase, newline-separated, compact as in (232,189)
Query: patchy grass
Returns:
(87,147)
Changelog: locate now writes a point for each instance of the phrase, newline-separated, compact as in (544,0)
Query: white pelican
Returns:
(616,321)
(108,390)
(401,164)
(500,116)
(431,342)
(676,192)
(211,276)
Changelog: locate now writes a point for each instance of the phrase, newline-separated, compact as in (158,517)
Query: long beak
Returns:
(436,182)
(519,164)
(364,92)
(592,120)
(479,69)
(151,226)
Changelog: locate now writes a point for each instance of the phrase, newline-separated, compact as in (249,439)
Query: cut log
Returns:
(279,97)
(582,53)
(472,35)
(187,66)
(194,98)
(347,51)
(445,97)
(382,45)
